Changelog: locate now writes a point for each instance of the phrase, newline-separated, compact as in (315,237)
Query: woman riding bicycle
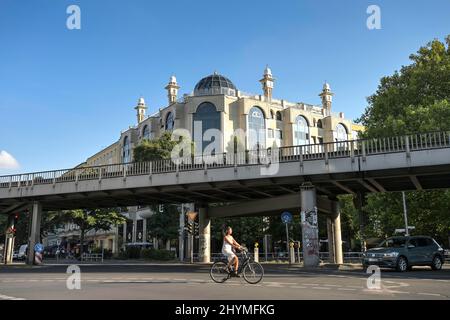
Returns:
(227,249)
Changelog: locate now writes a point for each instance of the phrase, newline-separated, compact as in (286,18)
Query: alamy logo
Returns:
(374,20)
(374,280)
(74,20)
(74,280)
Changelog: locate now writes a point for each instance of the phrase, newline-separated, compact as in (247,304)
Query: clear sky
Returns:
(65,94)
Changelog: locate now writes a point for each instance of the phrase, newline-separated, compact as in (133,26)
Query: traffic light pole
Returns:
(9,240)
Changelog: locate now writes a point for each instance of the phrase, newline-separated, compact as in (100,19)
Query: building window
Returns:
(319,124)
(209,118)
(340,133)
(126,152)
(257,129)
(270,133)
(146,132)
(170,121)
(301,131)
(279,117)
(279,134)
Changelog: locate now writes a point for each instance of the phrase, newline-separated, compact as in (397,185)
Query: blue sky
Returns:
(65,94)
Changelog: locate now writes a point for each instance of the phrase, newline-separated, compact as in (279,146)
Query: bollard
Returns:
(256,252)
(291,253)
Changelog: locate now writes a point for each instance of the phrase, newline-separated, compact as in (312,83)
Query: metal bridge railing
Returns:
(325,151)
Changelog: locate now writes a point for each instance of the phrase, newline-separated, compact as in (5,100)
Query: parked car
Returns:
(402,253)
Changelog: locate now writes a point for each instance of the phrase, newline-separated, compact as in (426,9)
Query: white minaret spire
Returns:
(327,98)
(140,110)
(172,89)
(267,83)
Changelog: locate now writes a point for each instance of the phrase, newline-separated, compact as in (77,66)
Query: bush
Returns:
(154,254)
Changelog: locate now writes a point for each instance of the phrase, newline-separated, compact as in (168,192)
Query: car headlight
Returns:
(391,255)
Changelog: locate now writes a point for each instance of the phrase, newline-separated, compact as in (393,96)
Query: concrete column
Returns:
(337,233)
(144,230)
(331,244)
(167,245)
(310,231)
(133,234)
(155,243)
(35,230)
(204,230)
(124,234)
(115,248)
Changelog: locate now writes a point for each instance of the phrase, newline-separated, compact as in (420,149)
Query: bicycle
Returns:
(252,271)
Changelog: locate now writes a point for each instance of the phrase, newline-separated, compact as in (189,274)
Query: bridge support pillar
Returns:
(204,230)
(334,234)
(35,230)
(310,231)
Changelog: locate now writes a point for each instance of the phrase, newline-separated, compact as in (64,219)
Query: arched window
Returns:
(209,118)
(301,131)
(170,121)
(146,132)
(340,134)
(257,129)
(278,115)
(126,150)
(319,124)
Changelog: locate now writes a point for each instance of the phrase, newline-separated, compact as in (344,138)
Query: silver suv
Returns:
(402,253)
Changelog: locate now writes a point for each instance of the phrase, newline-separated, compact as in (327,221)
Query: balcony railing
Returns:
(326,151)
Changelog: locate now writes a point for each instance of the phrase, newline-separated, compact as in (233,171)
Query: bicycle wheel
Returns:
(253,272)
(219,272)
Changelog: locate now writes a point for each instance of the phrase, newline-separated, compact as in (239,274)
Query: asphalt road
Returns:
(175,281)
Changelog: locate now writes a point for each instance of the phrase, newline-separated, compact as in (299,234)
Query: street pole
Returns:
(287,242)
(191,236)
(181,236)
(405,213)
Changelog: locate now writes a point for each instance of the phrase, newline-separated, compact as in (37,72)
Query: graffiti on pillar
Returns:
(310,232)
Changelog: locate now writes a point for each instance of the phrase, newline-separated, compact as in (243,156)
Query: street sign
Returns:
(286,217)
(38,248)
(191,215)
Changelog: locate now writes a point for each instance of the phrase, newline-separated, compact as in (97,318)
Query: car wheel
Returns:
(437,263)
(402,264)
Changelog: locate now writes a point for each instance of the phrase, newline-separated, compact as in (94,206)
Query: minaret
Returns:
(267,83)
(327,98)
(172,89)
(140,110)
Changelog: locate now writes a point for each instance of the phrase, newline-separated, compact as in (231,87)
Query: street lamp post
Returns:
(405,214)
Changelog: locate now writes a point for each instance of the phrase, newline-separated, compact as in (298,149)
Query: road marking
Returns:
(429,294)
(297,287)
(331,285)
(346,289)
(3,297)
(321,288)
(311,284)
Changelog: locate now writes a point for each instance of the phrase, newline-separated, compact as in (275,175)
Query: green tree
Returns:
(164,225)
(414,99)
(155,149)
(98,219)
